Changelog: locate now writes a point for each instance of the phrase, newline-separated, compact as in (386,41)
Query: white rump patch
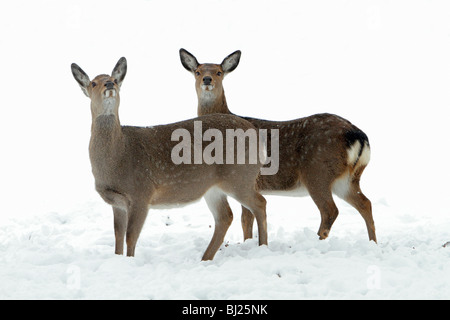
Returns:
(353,154)
(365,156)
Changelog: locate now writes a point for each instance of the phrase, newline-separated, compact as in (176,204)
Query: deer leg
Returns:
(223,216)
(328,210)
(256,204)
(136,218)
(247,219)
(360,202)
(113,197)
(120,227)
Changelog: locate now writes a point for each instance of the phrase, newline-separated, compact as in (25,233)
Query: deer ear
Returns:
(81,77)
(188,61)
(231,61)
(120,70)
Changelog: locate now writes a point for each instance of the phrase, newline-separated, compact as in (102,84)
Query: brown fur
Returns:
(313,151)
(133,169)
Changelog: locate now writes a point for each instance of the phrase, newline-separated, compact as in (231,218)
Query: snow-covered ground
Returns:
(70,255)
(383,65)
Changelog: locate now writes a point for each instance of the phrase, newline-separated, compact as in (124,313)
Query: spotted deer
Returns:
(318,155)
(134,171)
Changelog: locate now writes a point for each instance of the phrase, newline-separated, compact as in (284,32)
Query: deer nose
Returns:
(109,85)
(207,81)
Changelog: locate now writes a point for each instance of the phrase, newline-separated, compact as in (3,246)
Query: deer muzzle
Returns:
(110,93)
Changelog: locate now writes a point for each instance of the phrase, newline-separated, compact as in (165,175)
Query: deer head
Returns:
(208,76)
(104,89)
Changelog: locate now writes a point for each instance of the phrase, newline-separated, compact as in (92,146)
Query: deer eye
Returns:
(93,84)
(115,81)
(197,73)
(219,73)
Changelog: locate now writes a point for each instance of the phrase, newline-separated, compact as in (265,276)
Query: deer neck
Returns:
(209,102)
(107,144)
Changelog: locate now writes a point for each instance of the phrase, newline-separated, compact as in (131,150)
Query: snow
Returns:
(383,65)
(70,256)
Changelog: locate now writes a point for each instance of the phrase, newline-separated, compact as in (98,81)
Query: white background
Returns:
(383,65)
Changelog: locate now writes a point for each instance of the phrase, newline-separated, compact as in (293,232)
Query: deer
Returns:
(319,155)
(133,168)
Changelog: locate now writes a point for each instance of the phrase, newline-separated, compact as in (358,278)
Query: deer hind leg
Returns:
(223,216)
(247,219)
(359,201)
(137,213)
(120,228)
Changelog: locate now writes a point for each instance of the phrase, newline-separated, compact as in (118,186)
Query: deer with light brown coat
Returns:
(319,155)
(134,171)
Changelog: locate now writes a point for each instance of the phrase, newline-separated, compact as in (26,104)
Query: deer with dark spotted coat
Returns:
(319,155)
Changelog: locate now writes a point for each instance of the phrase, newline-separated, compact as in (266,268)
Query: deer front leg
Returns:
(258,209)
(136,218)
(120,227)
(256,204)
(247,219)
